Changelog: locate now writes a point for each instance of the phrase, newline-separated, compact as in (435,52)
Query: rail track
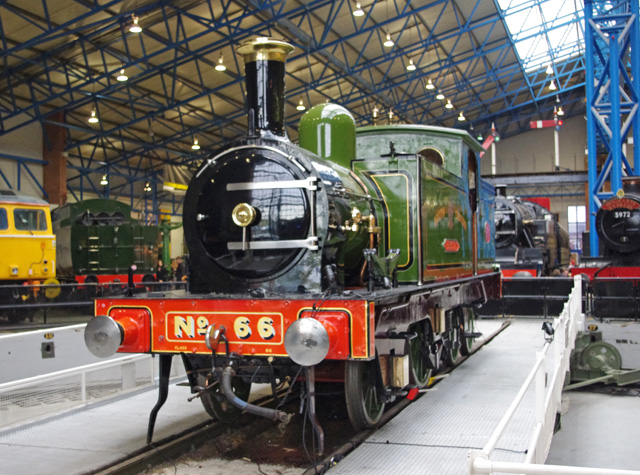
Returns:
(260,441)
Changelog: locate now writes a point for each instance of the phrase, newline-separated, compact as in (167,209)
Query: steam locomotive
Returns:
(614,277)
(309,264)
(529,239)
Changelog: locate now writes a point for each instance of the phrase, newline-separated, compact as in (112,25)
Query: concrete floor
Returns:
(599,431)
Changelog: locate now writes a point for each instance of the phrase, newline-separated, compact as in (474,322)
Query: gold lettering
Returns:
(202,324)
(184,325)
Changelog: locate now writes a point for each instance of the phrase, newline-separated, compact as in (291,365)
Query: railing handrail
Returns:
(47,378)
(497,432)
(78,326)
(565,330)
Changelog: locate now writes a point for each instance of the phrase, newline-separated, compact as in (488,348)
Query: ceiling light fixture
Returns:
(220,66)
(479,137)
(135,28)
(389,42)
(196,145)
(440,96)
(552,86)
(549,69)
(104,180)
(430,85)
(461,117)
(122,77)
(358,11)
(147,186)
(448,105)
(560,111)
(300,105)
(93,118)
(411,66)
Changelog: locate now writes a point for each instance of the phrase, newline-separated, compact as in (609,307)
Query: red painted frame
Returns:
(253,327)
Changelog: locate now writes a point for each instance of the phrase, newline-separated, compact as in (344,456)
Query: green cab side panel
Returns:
(396,208)
(429,168)
(373,141)
(445,222)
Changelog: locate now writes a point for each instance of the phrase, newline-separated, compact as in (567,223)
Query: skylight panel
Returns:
(544,31)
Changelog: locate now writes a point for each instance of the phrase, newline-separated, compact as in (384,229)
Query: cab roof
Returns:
(10,196)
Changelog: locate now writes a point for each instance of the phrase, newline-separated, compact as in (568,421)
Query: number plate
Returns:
(255,328)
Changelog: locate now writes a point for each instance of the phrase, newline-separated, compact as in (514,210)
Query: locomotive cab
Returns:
(27,241)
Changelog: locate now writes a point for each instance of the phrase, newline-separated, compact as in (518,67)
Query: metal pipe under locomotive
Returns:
(529,240)
(359,271)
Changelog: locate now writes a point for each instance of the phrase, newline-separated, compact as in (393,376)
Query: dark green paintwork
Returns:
(68,214)
(103,249)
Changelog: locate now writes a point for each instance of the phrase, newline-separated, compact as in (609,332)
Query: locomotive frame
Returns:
(311,261)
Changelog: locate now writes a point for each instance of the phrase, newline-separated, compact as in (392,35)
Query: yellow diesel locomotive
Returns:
(27,248)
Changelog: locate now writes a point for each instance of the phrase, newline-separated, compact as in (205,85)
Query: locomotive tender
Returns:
(98,241)
(529,240)
(307,260)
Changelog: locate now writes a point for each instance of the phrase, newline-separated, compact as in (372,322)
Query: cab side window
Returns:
(29,219)
(473,181)
(4,224)
(432,155)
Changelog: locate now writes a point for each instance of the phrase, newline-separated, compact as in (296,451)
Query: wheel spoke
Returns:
(420,358)
(364,405)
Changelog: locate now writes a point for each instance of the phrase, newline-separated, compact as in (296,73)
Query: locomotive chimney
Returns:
(501,190)
(264,60)
(631,184)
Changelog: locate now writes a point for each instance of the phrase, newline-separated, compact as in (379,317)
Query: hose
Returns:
(273,414)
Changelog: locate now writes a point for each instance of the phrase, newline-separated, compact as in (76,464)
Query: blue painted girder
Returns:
(173,94)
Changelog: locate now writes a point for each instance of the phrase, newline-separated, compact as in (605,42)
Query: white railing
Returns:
(31,399)
(548,399)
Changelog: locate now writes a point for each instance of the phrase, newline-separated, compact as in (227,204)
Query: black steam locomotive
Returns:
(529,239)
(614,276)
(360,270)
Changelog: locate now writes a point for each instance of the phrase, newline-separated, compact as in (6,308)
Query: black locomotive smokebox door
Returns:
(249,178)
(48,349)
